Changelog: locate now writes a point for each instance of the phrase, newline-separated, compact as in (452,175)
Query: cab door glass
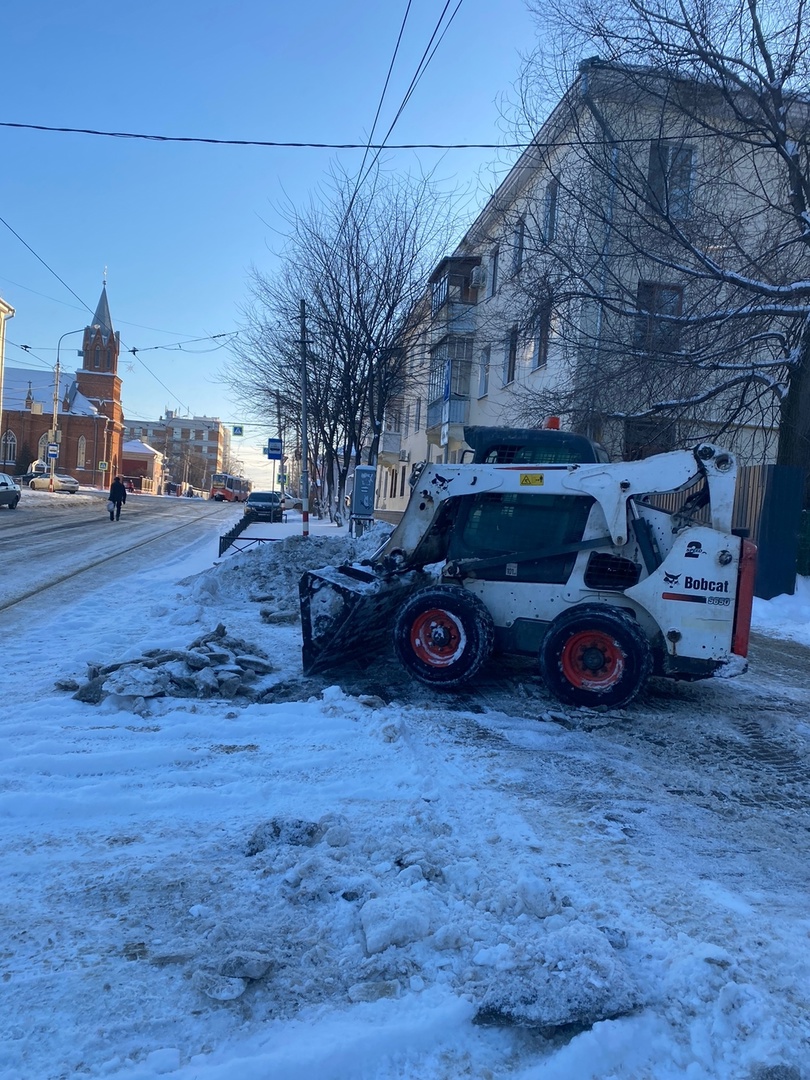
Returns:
(495,524)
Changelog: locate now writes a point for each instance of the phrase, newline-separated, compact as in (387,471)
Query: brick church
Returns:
(90,420)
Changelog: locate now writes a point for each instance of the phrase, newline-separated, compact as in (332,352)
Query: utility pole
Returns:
(282,469)
(304,445)
(55,428)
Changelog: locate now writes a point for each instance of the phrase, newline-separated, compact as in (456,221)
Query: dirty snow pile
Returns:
(218,884)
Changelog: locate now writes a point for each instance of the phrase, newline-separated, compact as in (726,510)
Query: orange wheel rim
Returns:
(437,637)
(592,660)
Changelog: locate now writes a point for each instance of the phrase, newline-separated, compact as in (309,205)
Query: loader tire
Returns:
(443,635)
(595,656)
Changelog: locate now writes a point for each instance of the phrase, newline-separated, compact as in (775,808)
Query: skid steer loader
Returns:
(571,562)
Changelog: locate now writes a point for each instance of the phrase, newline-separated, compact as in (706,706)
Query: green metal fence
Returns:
(803,559)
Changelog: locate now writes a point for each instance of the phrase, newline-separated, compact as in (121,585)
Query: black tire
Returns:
(595,656)
(13,505)
(32,485)
(443,635)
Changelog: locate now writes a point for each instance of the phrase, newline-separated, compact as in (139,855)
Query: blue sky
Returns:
(178,226)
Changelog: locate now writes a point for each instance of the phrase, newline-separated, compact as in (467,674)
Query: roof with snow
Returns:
(136,446)
(17,382)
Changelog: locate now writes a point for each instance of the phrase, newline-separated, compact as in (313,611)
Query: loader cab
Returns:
(521,446)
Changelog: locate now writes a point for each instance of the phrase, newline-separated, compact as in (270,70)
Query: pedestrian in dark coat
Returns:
(118,496)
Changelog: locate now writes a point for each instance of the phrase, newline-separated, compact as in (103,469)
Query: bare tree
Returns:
(360,260)
(676,263)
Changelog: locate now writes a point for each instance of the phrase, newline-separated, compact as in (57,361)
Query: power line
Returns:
(87,307)
(385,145)
(271,144)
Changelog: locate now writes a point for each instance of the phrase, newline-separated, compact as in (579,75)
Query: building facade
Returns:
(193,448)
(578,291)
(79,411)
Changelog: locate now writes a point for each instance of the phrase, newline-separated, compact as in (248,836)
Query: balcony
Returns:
(454,317)
(458,411)
(390,445)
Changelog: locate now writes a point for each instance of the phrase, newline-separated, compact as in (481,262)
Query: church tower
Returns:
(98,378)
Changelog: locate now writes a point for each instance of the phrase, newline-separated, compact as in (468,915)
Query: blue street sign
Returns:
(274,449)
(238,429)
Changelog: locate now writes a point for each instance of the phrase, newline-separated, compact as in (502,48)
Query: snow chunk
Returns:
(394,922)
(218,987)
(576,979)
(537,896)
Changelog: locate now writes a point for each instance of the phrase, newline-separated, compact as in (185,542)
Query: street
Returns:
(52,539)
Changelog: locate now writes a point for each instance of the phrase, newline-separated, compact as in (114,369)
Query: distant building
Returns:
(193,447)
(89,416)
(143,465)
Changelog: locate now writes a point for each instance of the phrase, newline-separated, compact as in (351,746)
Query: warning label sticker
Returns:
(531,479)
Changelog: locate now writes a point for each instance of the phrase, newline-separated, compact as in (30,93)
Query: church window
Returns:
(8,448)
(97,357)
(81,455)
(109,359)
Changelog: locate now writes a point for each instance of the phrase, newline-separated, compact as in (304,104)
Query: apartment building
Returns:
(578,290)
(193,447)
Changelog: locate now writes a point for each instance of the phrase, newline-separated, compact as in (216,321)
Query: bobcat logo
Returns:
(671,579)
(440,482)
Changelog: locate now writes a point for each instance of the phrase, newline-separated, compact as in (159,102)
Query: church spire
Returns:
(102,316)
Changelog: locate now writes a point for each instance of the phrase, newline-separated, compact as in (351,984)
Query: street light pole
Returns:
(55,430)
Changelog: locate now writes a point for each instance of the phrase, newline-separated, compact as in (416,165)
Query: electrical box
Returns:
(363,491)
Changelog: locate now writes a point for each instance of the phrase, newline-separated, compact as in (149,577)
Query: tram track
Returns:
(92,559)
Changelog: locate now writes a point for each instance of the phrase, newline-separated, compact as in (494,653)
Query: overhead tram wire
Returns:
(420,69)
(133,351)
(272,145)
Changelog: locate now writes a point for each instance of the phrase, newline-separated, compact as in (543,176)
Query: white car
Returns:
(61,482)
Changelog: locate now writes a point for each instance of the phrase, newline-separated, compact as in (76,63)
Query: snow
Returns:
(786,617)
(312,885)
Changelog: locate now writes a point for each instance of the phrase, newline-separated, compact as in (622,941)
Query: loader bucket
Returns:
(348,611)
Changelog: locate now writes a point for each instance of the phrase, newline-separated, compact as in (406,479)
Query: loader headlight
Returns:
(724,557)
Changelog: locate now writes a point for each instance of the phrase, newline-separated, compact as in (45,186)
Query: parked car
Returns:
(264,506)
(61,482)
(291,502)
(9,491)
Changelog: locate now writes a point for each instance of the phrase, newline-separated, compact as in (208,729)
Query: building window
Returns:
(81,452)
(658,307)
(542,332)
(185,434)
(510,357)
(417,418)
(97,358)
(438,294)
(670,179)
(550,211)
(402,480)
(8,448)
(517,250)
(407,426)
(492,282)
(42,447)
(456,353)
(483,372)
(648,435)
(109,359)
